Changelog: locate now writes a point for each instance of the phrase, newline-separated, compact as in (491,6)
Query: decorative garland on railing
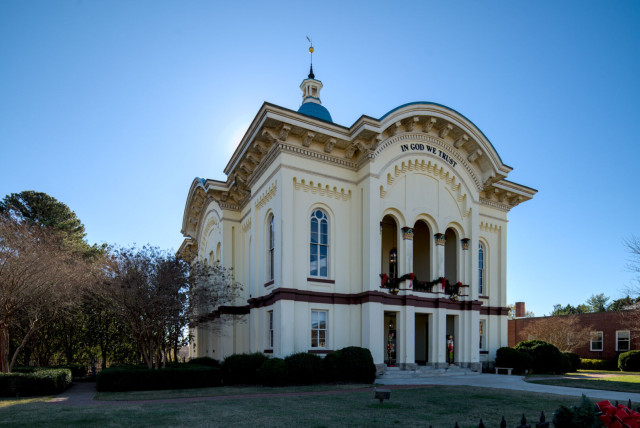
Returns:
(393,284)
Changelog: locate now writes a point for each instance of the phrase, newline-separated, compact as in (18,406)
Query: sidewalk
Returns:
(81,394)
(517,383)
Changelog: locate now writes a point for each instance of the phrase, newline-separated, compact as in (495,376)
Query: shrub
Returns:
(582,416)
(591,364)
(273,372)
(242,368)
(351,364)
(546,357)
(37,382)
(574,361)
(304,368)
(629,361)
(510,357)
(204,361)
(142,379)
(332,367)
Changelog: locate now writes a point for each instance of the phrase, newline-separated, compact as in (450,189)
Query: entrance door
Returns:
(391,339)
(422,339)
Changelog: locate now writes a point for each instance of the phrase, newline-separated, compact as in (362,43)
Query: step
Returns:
(397,373)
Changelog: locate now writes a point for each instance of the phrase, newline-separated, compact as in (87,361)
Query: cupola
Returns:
(311,104)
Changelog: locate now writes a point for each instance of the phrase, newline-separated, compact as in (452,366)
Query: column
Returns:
(407,242)
(438,338)
(441,239)
(408,332)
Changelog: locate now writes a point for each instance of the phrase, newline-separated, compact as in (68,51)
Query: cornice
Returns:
(493,204)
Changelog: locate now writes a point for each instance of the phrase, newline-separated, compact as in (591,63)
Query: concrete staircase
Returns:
(396,374)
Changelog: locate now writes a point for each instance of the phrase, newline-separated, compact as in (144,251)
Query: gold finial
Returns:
(311,43)
(311,75)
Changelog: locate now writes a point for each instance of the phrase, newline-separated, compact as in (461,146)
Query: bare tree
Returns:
(39,280)
(148,289)
(565,332)
(214,297)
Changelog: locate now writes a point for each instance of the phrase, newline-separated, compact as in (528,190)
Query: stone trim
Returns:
(292,294)
(321,280)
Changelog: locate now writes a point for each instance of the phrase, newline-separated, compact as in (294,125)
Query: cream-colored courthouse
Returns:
(314,217)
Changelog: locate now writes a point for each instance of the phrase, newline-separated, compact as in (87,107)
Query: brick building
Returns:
(611,332)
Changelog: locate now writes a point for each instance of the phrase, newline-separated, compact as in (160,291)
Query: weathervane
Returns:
(311,75)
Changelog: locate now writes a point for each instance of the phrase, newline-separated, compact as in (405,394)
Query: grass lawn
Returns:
(436,405)
(593,379)
(215,392)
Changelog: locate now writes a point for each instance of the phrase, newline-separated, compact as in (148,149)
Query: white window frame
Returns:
(270,247)
(628,340)
(591,341)
(316,315)
(316,247)
(269,329)
(482,269)
(483,335)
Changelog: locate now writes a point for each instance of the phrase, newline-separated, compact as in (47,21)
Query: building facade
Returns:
(611,332)
(389,234)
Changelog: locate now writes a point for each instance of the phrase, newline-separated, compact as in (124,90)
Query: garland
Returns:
(393,284)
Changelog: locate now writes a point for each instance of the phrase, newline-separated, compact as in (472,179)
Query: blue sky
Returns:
(114,107)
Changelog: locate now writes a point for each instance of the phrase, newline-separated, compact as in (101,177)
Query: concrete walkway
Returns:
(517,383)
(81,394)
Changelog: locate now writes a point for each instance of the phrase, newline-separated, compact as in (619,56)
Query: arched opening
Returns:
(451,256)
(422,251)
(389,250)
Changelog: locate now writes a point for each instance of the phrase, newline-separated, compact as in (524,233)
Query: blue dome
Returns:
(315,110)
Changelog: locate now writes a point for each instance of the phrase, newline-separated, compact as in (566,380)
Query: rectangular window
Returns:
(622,340)
(318,329)
(270,324)
(483,336)
(596,341)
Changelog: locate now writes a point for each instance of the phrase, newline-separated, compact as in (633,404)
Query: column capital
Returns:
(407,233)
(465,243)
(441,239)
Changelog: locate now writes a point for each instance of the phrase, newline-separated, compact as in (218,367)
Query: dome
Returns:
(315,110)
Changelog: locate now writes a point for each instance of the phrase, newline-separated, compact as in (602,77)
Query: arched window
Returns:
(319,245)
(270,255)
(481,274)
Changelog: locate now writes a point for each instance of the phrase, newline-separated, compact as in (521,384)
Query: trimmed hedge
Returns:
(143,379)
(513,358)
(350,364)
(37,382)
(204,361)
(273,372)
(77,370)
(629,361)
(574,360)
(594,364)
(242,368)
(546,357)
(305,368)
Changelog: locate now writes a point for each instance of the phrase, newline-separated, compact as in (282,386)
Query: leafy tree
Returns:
(210,289)
(597,303)
(148,290)
(623,303)
(38,281)
(558,309)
